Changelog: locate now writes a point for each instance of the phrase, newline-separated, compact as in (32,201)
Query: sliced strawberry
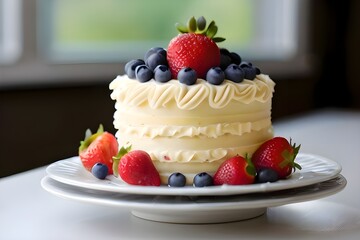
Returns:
(278,154)
(235,171)
(98,148)
(137,168)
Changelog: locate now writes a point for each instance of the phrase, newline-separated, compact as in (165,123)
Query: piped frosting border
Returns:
(158,95)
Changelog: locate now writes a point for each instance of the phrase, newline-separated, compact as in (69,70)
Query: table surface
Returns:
(29,212)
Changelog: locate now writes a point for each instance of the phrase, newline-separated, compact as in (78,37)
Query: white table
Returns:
(29,212)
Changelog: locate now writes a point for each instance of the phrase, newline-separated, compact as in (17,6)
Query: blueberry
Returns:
(203,180)
(155,59)
(250,73)
(266,175)
(155,50)
(225,58)
(235,58)
(245,64)
(224,51)
(187,76)
(258,71)
(143,73)
(215,76)
(176,180)
(234,73)
(162,73)
(100,170)
(225,61)
(131,66)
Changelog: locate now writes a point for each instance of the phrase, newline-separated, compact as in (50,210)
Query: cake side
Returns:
(194,128)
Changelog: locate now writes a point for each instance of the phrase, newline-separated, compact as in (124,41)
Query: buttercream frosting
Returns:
(189,128)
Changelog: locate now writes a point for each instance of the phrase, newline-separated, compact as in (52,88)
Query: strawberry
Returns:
(277,154)
(194,48)
(235,171)
(137,168)
(98,148)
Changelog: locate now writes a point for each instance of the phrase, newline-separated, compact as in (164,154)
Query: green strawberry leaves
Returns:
(289,157)
(90,137)
(199,27)
(250,168)
(116,159)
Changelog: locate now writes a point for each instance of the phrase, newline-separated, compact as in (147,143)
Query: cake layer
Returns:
(197,149)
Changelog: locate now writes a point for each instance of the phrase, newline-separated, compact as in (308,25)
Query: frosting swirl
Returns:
(158,95)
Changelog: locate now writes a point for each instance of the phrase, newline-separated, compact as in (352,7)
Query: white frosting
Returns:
(211,131)
(158,95)
(191,125)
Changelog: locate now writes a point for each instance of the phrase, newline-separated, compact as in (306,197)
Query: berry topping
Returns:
(250,73)
(245,64)
(266,175)
(137,168)
(176,180)
(131,66)
(143,73)
(215,76)
(162,73)
(155,59)
(187,76)
(225,58)
(234,73)
(194,48)
(277,154)
(100,170)
(99,147)
(160,50)
(203,180)
(196,54)
(235,171)
(235,58)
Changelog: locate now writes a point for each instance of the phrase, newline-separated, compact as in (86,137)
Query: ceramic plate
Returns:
(201,209)
(315,169)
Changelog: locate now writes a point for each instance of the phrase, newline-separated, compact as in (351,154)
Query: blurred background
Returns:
(57,58)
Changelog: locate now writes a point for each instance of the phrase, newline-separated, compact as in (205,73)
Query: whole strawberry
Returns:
(98,148)
(137,168)
(195,48)
(235,171)
(277,154)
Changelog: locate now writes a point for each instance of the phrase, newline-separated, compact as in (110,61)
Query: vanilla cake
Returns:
(192,128)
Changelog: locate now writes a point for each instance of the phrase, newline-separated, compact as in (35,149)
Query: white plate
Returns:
(190,209)
(315,169)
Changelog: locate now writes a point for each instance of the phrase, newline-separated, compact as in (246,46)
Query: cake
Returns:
(192,126)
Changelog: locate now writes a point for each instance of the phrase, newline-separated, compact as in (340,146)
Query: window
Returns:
(75,40)
(10,41)
(108,30)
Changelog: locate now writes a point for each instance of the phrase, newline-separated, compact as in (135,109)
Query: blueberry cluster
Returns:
(155,66)
(232,68)
(200,180)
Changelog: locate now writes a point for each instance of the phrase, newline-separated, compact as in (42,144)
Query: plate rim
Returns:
(110,186)
(118,201)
